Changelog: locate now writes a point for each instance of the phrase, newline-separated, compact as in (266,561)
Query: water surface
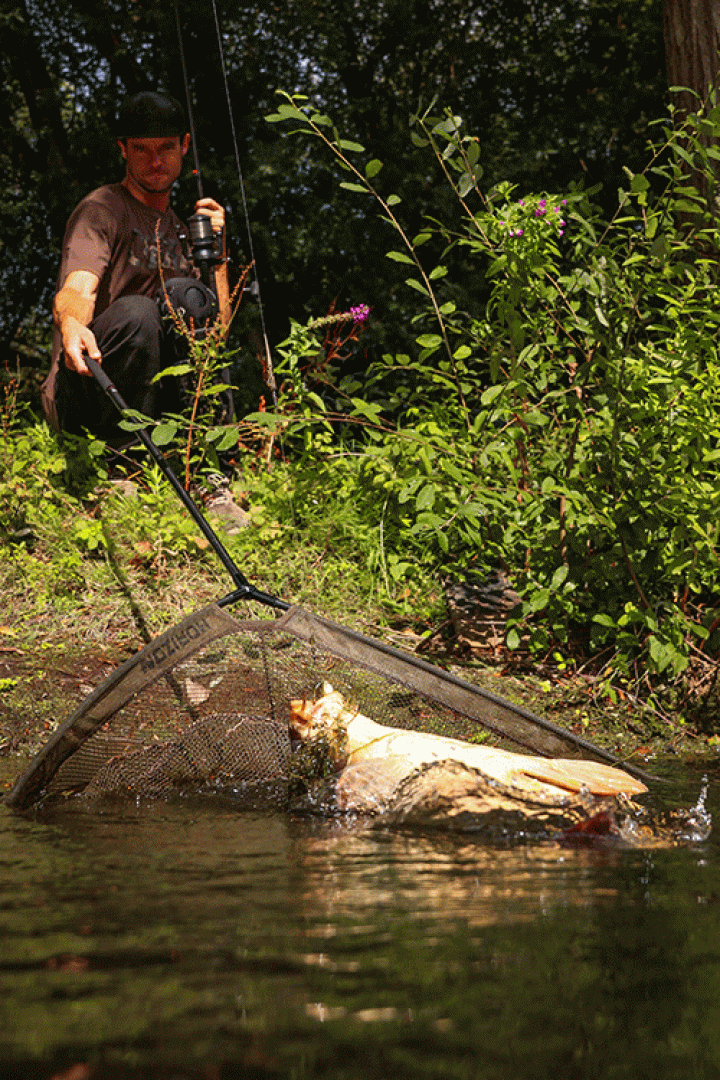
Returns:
(196,940)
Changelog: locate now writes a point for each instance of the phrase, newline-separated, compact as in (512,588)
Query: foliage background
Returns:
(555,92)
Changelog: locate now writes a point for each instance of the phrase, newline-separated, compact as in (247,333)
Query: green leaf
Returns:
(639,183)
(367,409)
(513,639)
(538,599)
(176,369)
(429,341)
(399,256)
(426,498)
(601,315)
(472,151)
(491,393)
(133,420)
(266,420)
(393,200)
(228,440)
(559,577)
(373,168)
(354,187)
(421,238)
(288,110)
(438,272)
(164,433)
(417,285)
(409,489)
(355,147)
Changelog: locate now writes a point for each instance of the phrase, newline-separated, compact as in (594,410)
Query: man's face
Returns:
(154,164)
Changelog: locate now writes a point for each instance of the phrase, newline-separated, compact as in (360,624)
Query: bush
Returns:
(571,432)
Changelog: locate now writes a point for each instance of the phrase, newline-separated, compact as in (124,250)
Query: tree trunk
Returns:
(692,40)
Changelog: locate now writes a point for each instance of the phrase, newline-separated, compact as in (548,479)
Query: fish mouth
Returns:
(308,716)
(301,717)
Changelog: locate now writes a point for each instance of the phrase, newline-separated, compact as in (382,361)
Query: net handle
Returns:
(243,589)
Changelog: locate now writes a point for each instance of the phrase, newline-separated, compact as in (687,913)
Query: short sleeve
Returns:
(89,238)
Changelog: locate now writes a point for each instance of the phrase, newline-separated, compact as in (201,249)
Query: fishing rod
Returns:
(202,238)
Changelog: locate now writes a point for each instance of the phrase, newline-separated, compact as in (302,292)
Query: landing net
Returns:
(205,708)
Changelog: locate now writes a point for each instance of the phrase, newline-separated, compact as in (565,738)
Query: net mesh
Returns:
(220,719)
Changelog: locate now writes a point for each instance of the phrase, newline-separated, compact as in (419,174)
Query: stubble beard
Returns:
(147,187)
(150,189)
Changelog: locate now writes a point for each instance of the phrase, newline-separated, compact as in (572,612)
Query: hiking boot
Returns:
(220,504)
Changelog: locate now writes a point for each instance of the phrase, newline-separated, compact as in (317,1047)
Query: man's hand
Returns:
(73,310)
(78,340)
(214,211)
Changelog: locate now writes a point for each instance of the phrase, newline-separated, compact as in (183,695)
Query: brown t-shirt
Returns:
(113,235)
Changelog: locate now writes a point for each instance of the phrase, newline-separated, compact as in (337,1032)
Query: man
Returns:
(106,304)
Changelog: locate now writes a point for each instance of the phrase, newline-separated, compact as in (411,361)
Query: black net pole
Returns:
(244,590)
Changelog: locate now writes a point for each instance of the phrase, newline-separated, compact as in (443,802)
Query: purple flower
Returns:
(564,202)
(359,313)
(540,212)
(521,202)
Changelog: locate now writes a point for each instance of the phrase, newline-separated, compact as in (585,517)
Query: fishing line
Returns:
(269,375)
(191,122)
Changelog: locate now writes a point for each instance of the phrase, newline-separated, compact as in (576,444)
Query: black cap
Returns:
(150,116)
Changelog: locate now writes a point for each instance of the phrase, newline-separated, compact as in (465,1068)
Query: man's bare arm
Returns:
(73,310)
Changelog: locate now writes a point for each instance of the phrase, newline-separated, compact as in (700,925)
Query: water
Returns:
(196,941)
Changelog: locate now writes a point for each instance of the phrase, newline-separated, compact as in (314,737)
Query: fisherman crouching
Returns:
(121,242)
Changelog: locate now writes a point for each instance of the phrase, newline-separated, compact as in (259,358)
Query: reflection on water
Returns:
(198,941)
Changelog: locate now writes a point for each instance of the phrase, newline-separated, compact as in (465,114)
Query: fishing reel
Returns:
(192,301)
(206,246)
(207,251)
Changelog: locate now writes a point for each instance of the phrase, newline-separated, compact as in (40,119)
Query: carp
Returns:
(358,740)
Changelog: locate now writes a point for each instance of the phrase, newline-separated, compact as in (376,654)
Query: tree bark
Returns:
(692,40)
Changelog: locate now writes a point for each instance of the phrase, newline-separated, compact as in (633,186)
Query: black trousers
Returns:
(135,346)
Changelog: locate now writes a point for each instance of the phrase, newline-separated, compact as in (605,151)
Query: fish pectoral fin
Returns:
(573,775)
